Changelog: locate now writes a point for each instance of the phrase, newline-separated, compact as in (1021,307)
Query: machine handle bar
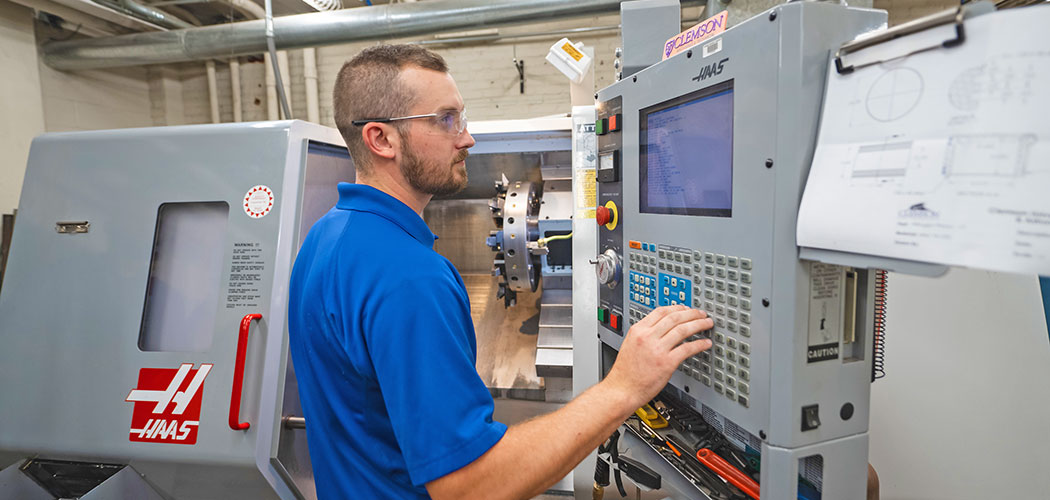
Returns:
(238,374)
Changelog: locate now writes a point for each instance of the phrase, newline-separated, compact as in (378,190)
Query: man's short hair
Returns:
(370,86)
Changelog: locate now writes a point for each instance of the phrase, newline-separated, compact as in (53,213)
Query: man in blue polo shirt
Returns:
(380,325)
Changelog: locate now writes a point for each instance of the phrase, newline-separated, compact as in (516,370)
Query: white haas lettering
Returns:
(161,428)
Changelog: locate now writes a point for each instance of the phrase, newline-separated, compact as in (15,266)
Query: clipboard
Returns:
(953,17)
(890,48)
(848,58)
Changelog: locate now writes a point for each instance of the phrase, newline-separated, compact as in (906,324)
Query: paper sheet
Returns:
(942,156)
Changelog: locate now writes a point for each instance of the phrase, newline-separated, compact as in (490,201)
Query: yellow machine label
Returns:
(573,53)
(588,195)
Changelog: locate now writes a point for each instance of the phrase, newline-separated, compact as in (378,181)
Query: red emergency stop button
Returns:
(603,216)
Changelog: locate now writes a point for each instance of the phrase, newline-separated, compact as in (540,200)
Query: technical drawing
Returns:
(1001,83)
(894,94)
(993,155)
(881,163)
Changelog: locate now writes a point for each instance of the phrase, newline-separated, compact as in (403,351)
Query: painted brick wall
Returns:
(21,111)
(39,99)
(484,72)
(98,99)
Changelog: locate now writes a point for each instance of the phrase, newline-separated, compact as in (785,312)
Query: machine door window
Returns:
(182,294)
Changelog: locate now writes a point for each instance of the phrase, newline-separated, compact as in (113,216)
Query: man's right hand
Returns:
(654,348)
(537,453)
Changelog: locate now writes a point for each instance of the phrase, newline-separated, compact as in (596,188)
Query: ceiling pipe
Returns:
(88,25)
(145,13)
(154,16)
(249,8)
(235,89)
(109,14)
(313,30)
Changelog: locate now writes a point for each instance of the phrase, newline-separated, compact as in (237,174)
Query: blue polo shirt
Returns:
(384,352)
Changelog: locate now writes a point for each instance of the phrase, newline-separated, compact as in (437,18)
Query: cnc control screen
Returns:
(686,154)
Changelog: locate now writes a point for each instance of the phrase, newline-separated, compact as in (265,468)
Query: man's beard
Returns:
(432,179)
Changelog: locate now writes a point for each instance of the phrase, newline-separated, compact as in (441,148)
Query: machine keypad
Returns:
(726,282)
(711,282)
(643,289)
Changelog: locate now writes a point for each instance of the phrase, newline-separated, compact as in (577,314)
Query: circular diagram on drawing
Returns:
(258,201)
(894,94)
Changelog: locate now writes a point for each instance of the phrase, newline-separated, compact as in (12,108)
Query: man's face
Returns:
(433,157)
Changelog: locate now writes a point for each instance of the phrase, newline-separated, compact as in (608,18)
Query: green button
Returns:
(601,314)
(599,128)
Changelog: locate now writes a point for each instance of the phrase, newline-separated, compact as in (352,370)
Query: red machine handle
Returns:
(238,374)
(728,472)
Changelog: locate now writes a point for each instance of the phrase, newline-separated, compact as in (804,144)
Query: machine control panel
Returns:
(706,170)
(610,216)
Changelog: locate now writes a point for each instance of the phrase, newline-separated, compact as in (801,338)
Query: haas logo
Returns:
(168,404)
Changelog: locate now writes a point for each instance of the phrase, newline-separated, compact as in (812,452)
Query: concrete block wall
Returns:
(99,99)
(21,109)
(484,73)
(165,94)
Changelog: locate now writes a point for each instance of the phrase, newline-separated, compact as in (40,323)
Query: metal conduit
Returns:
(312,30)
(145,13)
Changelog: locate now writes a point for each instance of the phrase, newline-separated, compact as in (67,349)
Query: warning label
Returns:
(825,312)
(246,272)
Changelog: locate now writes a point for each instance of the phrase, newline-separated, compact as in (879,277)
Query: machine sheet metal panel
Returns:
(73,308)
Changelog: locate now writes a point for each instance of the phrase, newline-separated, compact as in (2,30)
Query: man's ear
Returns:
(382,139)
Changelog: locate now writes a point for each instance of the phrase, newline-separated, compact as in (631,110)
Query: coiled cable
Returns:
(878,362)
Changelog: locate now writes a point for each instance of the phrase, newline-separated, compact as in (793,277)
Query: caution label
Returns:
(825,311)
(573,53)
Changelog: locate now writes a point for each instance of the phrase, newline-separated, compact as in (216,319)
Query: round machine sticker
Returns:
(258,202)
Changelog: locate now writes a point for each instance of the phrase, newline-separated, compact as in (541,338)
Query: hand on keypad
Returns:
(654,348)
